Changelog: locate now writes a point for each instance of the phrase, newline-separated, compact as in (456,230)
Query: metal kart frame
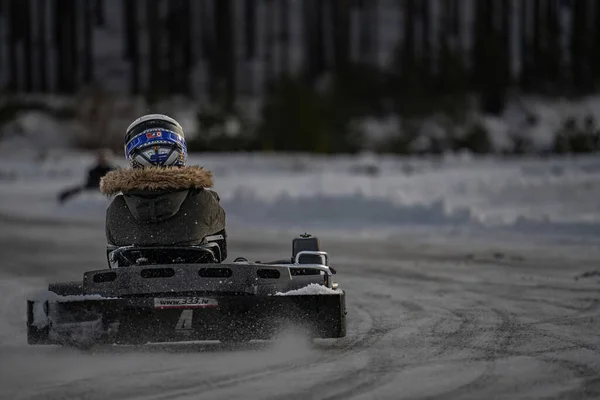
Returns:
(244,291)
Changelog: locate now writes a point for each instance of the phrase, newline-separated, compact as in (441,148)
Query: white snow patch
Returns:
(311,289)
(40,318)
(53,297)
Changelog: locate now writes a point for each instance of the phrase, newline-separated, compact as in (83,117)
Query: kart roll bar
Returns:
(323,255)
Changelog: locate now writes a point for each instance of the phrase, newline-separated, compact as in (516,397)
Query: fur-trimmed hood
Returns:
(155,179)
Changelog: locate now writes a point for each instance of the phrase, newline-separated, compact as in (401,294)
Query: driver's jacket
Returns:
(161,206)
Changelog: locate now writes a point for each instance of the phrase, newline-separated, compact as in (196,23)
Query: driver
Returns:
(161,201)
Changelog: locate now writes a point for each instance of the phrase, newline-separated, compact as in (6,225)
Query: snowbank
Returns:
(556,195)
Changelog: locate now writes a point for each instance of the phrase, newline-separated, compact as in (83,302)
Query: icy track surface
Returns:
(465,279)
(424,322)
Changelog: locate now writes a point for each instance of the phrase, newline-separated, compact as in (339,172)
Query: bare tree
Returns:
(525,46)
(374,24)
(173,34)
(26,27)
(42,45)
(340,12)
(88,42)
(13,42)
(284,37)
(596,44)
(224,52)
(188,59)
(408,57)
(250,28)
(553,46)
(130,14)
(100,12)
(425,40)
(154,85)
(268,58)
(504,41)
(579,46)
(364,35)
(59,41)
(314,20)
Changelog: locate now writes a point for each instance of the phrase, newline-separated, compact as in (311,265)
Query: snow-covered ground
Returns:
(550,197)
(510,313)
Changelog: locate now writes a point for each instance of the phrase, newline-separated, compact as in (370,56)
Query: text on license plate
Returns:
(185,302)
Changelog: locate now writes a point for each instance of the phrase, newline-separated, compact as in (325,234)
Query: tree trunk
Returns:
(224,54)
(340,11)
(173,30)
(188,58)
(284,26)
(425,41)
(504,37)
(374,36)
(64,26)
(100,11)
(154,84)
(525,73)
(597,42)
(319,40)
(250,29)
(42,43)
(578,45)
(207,28)
(481,38)
(455,25)
(26,26)
(307,30)
(13,41)
(88,48)
(538,62)
(130,12)
(72,76)
(4,40)
(553,50)
(364,33)
(408,51)
(268,59)
(59,40)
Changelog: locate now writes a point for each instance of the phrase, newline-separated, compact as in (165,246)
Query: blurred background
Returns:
(323,76)
(370,114)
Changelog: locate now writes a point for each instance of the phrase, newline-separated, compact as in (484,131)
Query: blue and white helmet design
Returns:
(155,140)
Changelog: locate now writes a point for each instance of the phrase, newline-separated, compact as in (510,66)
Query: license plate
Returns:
(185,302)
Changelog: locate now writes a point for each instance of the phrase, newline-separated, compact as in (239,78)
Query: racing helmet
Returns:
(155,140)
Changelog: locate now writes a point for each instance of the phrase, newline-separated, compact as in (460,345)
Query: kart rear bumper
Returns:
(147,319)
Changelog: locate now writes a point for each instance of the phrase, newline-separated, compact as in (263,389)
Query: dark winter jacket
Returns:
(161,206)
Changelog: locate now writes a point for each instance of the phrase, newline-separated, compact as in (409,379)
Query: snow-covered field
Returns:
(465,279)
(553,197)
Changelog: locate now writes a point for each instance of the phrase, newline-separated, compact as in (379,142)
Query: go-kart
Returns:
(167,294)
